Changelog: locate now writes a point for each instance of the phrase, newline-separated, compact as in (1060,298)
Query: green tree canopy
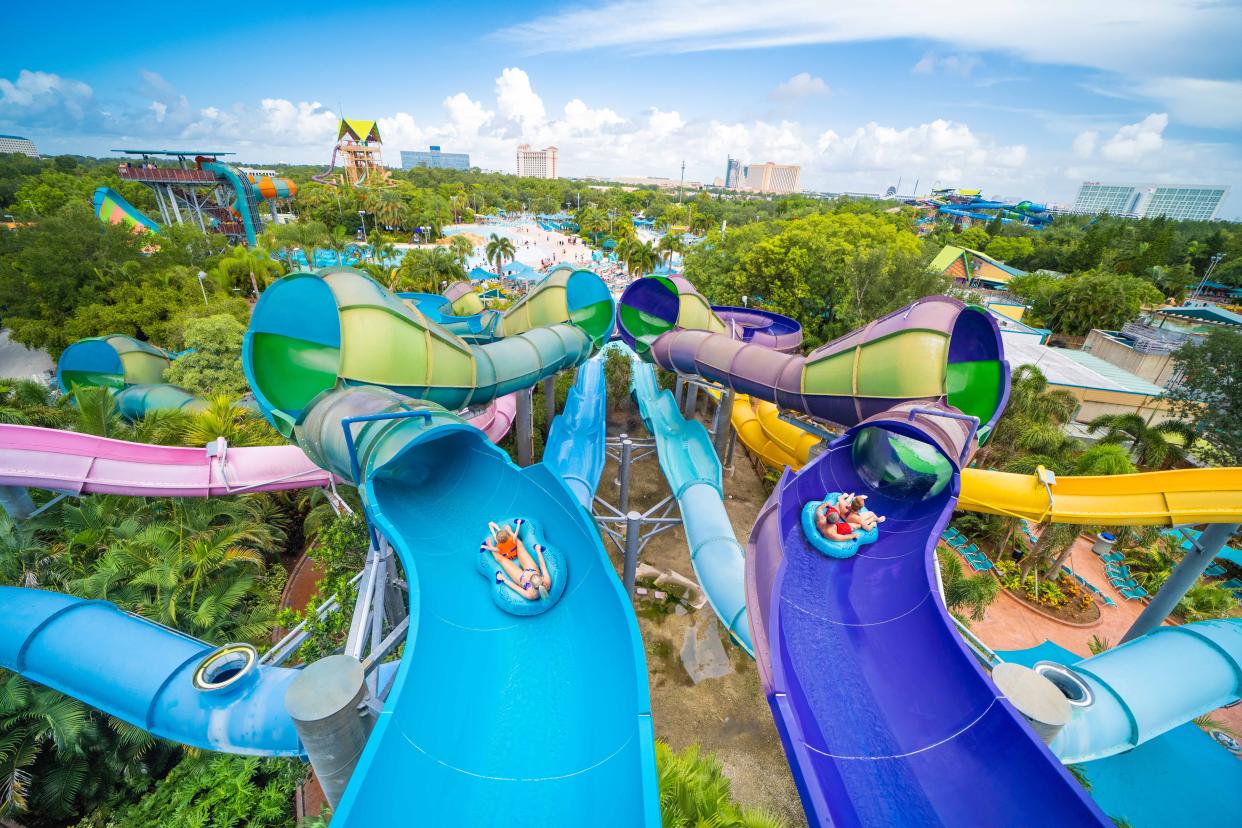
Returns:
(1082,301)
(214,365)
(1208,393)
(831,272)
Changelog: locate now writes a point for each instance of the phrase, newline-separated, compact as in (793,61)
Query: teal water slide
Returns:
(492,718)
(692,469)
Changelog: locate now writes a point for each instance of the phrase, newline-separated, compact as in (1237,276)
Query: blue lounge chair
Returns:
(1121,586)
(980,566)
(1214,571)
(950,532)
(970,549)
(1135,594)
(1123,570)
(959,541)
(1114,558)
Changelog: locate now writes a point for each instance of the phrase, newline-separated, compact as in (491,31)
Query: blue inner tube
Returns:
(503,595)
(831,548)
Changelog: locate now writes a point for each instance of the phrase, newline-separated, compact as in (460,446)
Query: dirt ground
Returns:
(729,715)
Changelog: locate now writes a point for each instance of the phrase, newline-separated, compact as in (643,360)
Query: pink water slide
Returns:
(67,461)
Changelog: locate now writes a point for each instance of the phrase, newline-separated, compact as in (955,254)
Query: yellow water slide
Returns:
(1182,496)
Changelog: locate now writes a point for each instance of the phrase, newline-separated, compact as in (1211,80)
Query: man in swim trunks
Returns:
(832,520)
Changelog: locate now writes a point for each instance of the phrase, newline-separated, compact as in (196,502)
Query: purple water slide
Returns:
(882,376)
(760,327)
(885,715)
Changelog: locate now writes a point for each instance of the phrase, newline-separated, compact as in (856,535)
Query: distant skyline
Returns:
(1022,100)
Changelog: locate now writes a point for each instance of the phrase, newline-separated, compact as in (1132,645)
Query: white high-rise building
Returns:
(16,143)
(772,178)
(536,163)
(1186,203)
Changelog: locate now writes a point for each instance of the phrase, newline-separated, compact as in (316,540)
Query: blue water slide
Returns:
(690,466)
(479,327)
(245,198)
(493,718)
(143,673)
(575,446)
(1151,685)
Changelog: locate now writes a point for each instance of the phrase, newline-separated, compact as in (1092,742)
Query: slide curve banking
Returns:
(908,728)
(466,731)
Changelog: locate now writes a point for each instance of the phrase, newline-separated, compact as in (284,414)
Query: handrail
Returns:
(355,471)
(952,415)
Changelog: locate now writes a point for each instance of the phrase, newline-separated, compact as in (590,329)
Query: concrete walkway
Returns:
(1010,625)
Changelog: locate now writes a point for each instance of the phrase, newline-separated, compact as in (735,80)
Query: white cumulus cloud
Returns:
(516,99)
(1135,141)
(801,85)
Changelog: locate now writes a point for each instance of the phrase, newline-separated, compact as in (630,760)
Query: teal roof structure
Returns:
(1213,314)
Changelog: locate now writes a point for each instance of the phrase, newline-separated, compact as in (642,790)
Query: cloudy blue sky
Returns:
(1024,100)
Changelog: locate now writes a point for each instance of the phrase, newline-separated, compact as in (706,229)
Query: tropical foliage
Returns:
(1208,393)
(217,791)
(694,793)
(213,367)
(966,595)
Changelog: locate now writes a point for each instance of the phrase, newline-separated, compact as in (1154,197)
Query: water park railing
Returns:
(166,174)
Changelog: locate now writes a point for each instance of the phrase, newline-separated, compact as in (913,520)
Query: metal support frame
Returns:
(523,427)
(692,399)
(621,524)
(810,428)
(1182,578)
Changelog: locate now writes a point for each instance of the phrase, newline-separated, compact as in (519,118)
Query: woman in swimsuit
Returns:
(857,517)
(518,570)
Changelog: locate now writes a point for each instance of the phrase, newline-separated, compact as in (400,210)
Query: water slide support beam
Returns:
(16,501)
(692,399)
(722,425)
(1185,575)
(633,525)
(549,397)
(627,453)
(523,427)
(328,702)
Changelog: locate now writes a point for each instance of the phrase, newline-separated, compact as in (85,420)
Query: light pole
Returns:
(362,216)
(201,278)
(1216,259)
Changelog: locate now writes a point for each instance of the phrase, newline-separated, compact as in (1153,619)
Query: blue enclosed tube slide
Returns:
(1151,685)
(143,673)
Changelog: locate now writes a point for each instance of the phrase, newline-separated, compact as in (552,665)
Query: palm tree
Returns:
(242,262)
(639,257)
(306,236)
(1148,443)
(97,412)
(338,241)
(1104,458)
(671,244)
(461,247)
(226,417)
(969,594)
(499,248)
(1033,419)
(391,209)
(1056,541)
